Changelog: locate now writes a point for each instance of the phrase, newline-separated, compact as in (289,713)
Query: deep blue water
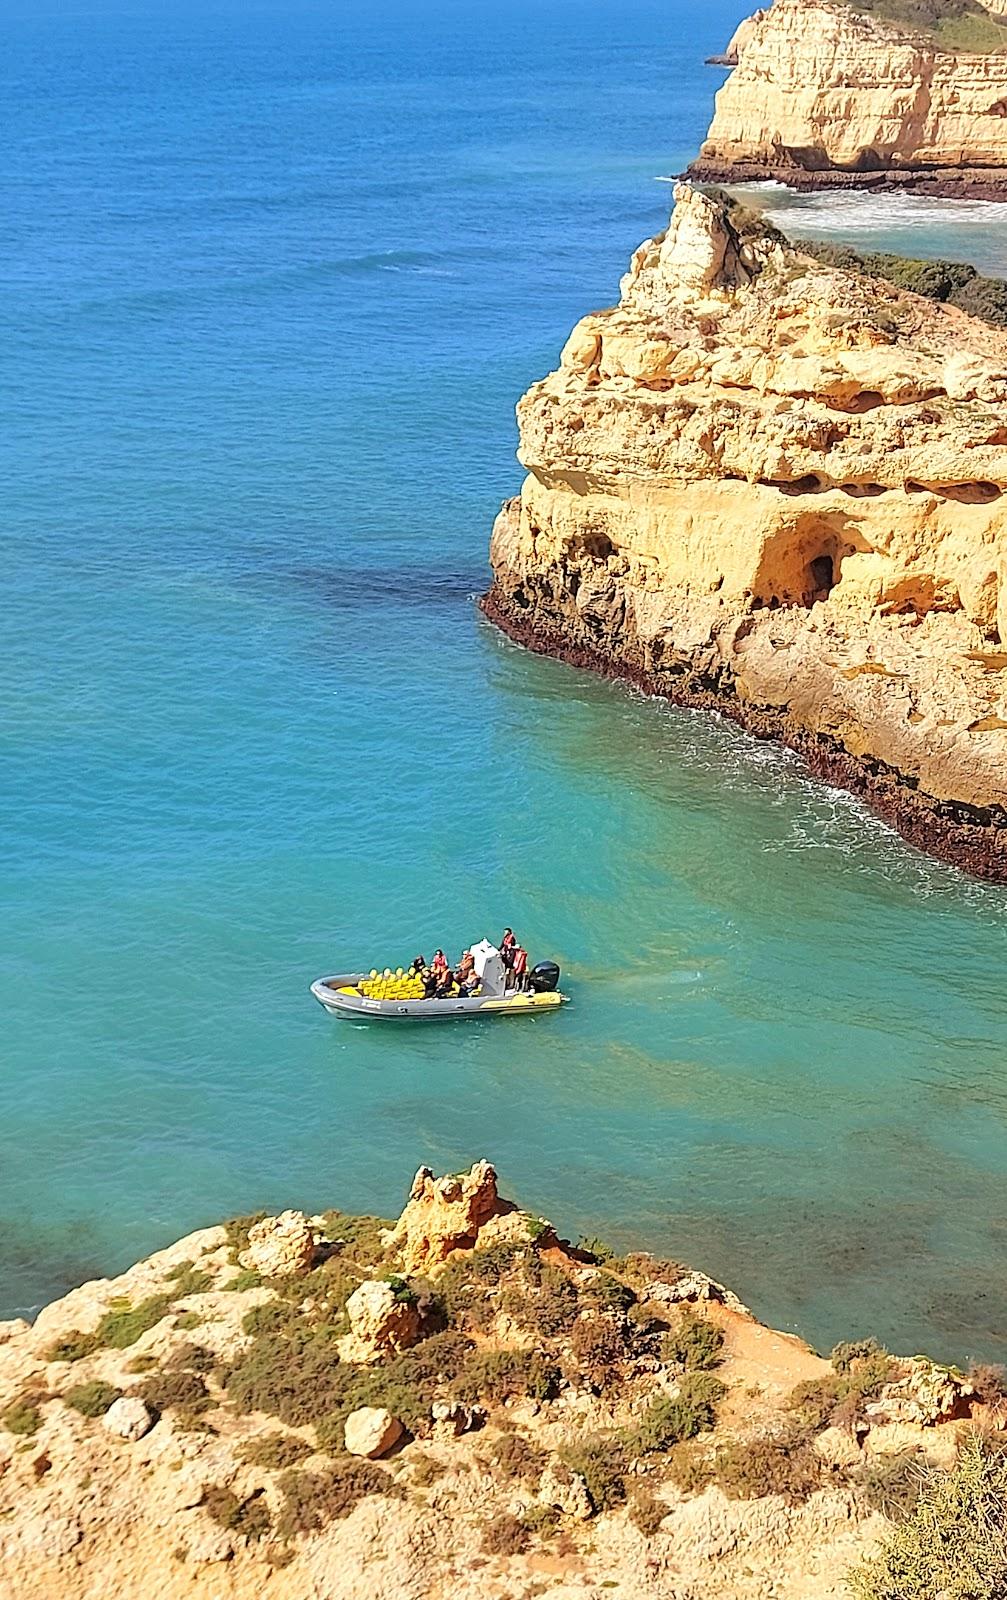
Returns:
(273,277)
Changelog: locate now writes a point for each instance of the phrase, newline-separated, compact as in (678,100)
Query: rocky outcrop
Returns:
(446,1214)
(739,39)
(822,93)
(384,1319)
(371,1431)
(181,1429)
(280,1247)
(924,1392)
(766,487)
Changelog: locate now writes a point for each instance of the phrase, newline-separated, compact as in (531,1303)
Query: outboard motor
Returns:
(544,978)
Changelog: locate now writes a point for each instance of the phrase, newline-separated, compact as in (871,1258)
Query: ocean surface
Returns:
(273,276)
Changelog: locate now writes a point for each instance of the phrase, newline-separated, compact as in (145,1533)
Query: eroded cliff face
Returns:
(822,93)
(761,485)
(288,1406)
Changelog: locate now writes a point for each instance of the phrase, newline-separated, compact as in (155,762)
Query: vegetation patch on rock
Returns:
(954,283)
(954,1543)
(92,1399)
(312,1499)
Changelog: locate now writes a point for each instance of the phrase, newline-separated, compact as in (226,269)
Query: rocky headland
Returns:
(770,487)
(825,93)
(455,1404)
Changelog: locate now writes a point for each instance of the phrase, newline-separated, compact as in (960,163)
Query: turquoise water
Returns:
(273,277)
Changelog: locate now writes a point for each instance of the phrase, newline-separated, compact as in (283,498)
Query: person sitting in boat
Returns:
(465,965)
(469,985)
(439,963)
(446,985)
(429,979)
(418,963)
(519,966)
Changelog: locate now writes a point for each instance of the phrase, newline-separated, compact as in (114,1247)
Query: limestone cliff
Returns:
(288,1406)
(765,486)
(823,93)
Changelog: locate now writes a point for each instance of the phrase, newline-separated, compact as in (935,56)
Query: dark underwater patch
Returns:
(39,1264)
(368,588)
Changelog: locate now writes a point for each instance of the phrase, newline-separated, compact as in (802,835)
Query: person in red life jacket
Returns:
(508,944)
(519,967)
(440,963)
(446,985)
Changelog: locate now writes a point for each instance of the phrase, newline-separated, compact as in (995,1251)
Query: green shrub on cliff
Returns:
(123,1324)
(694,1341)
(237,1230)
(985,298)
(275,1451)
(955,25)
(781,1461)
(73,1346)
(669,1421)
(296,1377)
(954,1544)
(92,1399)
(23,1417)
(187,1278)
(184,1392)
(249,1517)
(861,1370)
(953,283)
(312,1499)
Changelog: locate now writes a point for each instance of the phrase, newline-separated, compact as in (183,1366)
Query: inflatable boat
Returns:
(344,994)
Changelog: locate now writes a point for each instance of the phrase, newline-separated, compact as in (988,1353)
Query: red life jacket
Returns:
(520,964)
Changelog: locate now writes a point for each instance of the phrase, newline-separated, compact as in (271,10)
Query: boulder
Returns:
(926,1393)
(280,1247)
(384,1319)
(371,1431)
(128,1418)
(566,1491)
(445,1214)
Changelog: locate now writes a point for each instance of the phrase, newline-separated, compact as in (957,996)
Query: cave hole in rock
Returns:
(857,404)
(981,493)
(821,572)
(592,543)
(800,565)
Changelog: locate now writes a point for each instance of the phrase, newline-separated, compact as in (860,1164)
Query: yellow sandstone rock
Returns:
(764,485)
(819,85)
(383,1320)
(446,1214)
(280,1246)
